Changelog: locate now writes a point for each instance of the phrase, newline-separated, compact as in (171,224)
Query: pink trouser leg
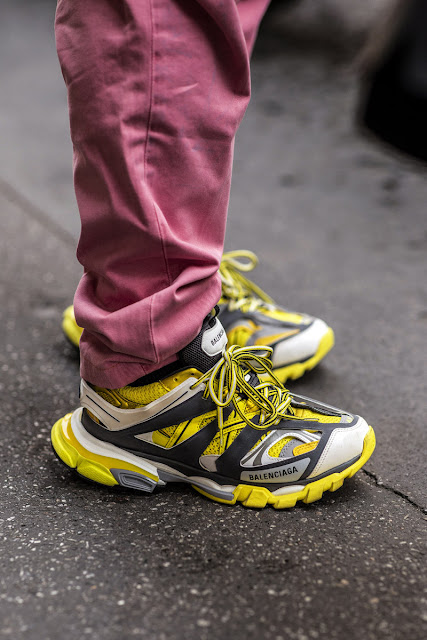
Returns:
(157,89)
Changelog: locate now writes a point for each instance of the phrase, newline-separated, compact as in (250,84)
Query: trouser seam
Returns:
(146,176)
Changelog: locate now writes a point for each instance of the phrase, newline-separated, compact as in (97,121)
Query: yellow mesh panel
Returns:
(171,436)
(169,431)
(284,316)
(132,397)
(307,414)
(188,429)
(239,335)
(162,436)
(304,448)
(214,447)
(275,450)
(246,408)
(322,418)
(143,395)
(232,427)
(205,419)
(110,397)
(267,340)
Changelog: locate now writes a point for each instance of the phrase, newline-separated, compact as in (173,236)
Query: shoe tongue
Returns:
(206,348)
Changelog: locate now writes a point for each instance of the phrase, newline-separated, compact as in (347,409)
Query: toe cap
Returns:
(301,346)
(344,445)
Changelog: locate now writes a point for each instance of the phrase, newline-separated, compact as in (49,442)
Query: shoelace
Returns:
(237,289)
(228,379)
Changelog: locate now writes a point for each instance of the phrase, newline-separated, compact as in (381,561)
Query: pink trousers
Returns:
(157,90)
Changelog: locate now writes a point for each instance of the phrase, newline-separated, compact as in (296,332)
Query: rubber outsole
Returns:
(111,471)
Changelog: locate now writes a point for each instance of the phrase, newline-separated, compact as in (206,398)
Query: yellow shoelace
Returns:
(229,378)
(237,289)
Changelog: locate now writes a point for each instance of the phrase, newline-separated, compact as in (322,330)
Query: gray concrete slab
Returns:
(79,560)
(84,561)
(36,158)
(340,227)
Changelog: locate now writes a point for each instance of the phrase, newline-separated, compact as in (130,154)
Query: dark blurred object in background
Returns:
(394,93)
(279,4)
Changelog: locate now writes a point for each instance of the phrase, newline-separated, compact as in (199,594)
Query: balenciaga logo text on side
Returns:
(217,338)
(274,473)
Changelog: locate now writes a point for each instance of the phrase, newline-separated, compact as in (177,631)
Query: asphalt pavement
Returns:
(340,227)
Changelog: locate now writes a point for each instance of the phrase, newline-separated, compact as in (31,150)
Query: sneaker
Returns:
(70,327)
(251,318)
(209,421)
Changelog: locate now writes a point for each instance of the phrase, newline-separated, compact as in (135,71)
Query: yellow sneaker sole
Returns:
(70,327)
(296,370)
(99,468)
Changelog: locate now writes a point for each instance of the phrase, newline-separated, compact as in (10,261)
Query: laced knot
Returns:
(236,288)
(228,381)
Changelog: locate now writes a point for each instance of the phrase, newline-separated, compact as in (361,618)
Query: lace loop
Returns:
(230,377)
(237,289)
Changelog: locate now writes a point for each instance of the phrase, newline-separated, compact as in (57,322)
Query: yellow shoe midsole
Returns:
(92,465)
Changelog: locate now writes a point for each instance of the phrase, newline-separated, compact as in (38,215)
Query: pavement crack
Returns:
(12,195)
(387,487)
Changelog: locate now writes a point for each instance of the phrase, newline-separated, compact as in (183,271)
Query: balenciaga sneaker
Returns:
(70,327)
(208,420)
(251,318)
